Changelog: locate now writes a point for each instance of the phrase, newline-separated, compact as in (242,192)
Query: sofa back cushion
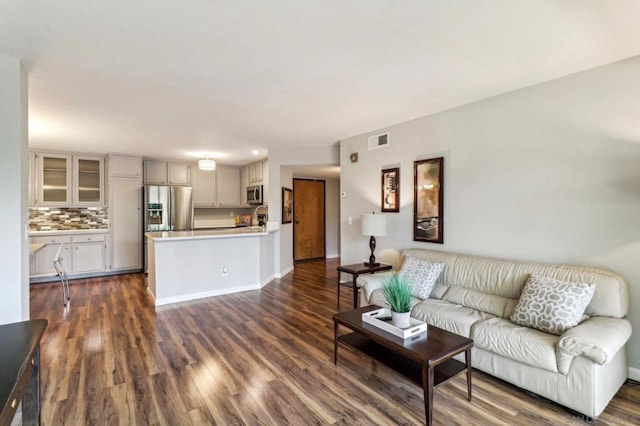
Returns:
(468,279)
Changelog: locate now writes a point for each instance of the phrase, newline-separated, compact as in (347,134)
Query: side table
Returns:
(20,372)
(356,270)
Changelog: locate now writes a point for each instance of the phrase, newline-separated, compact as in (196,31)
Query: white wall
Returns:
(332,217)
(548,173)
(14,255)
(279,176)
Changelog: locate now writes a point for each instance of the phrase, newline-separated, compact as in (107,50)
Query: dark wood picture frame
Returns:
(428,200)
(390,187)
(287,205)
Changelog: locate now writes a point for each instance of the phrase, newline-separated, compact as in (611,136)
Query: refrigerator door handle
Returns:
(171,209)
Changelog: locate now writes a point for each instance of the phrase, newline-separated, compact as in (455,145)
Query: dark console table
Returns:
(20,370)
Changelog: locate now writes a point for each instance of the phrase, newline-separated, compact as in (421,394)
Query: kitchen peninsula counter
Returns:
(203,234)
(187,265)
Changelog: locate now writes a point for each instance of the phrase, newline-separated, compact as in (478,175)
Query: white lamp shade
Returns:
(206,164)
(374,225)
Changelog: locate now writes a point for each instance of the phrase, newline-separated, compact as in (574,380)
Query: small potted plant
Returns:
(397,291)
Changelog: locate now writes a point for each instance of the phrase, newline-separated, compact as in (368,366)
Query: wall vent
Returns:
(378,141)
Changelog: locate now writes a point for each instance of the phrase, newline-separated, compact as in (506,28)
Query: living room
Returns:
(545,171)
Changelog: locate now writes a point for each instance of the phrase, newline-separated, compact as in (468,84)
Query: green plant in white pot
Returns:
(397,291)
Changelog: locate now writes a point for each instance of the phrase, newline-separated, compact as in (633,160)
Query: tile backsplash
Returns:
(65,219)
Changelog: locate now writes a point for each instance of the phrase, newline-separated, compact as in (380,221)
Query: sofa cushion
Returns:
(552,305)
(523,344)
(421,274)
(377,298)
(485,302)
(451,317)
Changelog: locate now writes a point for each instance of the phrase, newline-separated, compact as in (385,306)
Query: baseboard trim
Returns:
(151,294)
(285,272)
(634,374)
(219,292)
(333,256)
(267,280)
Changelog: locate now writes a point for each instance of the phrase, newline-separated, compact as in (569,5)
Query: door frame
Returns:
(324,219)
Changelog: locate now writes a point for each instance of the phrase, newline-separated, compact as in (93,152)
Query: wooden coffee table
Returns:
(427,359)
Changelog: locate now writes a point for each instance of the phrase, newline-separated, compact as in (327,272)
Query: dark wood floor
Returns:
(258,357)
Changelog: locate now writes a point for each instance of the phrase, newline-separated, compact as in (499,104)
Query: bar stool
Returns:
(62,274)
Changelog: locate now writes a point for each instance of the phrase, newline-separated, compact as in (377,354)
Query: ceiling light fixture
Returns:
(206,164)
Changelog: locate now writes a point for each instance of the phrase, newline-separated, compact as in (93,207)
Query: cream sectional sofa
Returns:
(474,296)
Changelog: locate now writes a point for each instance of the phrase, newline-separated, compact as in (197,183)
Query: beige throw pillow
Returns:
(421,274)
(552,305)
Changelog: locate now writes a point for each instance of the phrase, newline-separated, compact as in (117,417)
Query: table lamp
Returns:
(374,225)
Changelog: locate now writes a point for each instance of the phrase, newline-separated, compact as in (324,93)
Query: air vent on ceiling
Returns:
(378,141)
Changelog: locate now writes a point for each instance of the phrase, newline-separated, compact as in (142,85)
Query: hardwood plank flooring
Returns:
(257,357)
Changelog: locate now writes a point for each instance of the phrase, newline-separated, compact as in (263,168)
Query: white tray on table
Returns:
(417,327)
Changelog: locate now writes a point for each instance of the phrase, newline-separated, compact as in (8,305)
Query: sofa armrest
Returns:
(369,283)
(597,338)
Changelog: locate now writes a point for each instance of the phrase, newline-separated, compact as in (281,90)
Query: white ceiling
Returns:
(170,79)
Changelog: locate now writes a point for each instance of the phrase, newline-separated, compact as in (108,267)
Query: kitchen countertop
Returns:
(68,232)
(34,248)
(249,231)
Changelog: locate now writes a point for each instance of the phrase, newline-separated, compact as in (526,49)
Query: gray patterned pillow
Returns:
(421,274)
(552,305)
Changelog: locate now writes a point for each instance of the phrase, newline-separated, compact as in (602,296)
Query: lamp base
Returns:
(371,264)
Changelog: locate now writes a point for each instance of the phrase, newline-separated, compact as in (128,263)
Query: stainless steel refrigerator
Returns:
(166,208)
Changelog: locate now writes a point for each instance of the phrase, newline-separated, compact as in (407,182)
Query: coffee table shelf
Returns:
(425,359)
(407,368)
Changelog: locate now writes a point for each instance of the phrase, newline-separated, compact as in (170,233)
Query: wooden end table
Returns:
(426,359)
(20,372)
(356,270)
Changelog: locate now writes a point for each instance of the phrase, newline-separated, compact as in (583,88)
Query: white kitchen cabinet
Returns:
(89,254)
(162,173)
(218,188)
(122,166)
(88,181)
(228,186)
(63,180)
(53,179)
(125,217)
(255,172)
(42,260)
(155,172)
(179,174)
(82,254)
(203,184)
(244,182)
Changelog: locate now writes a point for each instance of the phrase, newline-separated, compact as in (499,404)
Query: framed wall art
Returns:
(428,200)
(390,190)
(287,205)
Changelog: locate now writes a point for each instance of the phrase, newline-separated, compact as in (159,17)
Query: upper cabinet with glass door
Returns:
(53,179)
(64,180)
(88,182)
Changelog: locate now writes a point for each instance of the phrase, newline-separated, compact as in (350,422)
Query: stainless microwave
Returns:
(254,194)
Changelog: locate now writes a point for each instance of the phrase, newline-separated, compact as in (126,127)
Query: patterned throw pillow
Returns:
(552,305)
(421,274)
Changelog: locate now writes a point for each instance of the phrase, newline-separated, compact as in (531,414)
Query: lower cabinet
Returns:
(89,254)
(81,254)
(42,261)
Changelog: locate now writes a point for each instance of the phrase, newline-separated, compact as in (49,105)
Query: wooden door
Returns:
(308,219)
